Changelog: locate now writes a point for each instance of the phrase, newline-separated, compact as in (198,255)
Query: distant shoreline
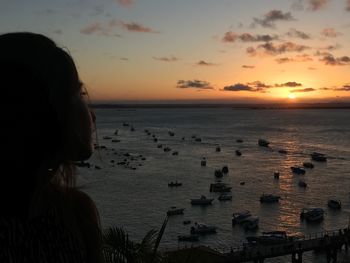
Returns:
(280,106)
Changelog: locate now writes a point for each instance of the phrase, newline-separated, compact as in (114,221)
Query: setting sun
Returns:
(291,96)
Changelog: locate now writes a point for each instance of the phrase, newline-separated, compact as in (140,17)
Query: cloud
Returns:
(347,5)
(290,84)
(95,28)
(127,3)
(242,87)
(196,84)
(271,17)
(58,31)
(303,90)
(166,59)
(344,88)
(332,47)
(251,51)
(329,59)
(204,63)
(298,34)
(316,5)
(248,66)
(311,68)
(125,59)
(270,48)
(298,58)
(106,29)
(259,85)
(231,37)
(330,32)
(136,27)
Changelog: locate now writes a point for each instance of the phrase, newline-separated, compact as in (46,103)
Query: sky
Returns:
(205,50)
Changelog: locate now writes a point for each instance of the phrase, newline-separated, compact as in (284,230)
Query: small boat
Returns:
(115,140)
(106,138)
(269,238)
(250,223)
(276,175)
(238,153)
(116,132)
(198,139)
(217,149)
(224,169)
(219,188)
(203,162)
(239,217)
(218,173)
(202,201)
(308,165)
(297,170)
(225,197)
(334,204)
(312,214)
(174,184)
(302,183)
(282,151)
(132,128)
(167,149)
(175,153)
(171,133)
(155,139)
(175,211)
(263,143)
(202,229)
(186,222)
(191,237)
(159,146)
(318,157)
(269,198)
(126,124)
(239,140)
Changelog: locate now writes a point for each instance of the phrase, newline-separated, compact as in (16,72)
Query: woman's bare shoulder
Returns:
(82,203)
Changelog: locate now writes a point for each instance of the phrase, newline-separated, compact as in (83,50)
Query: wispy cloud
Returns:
(193,84)
(124,59)
(330,32)
(329,59)
(204,63)
(298,58)
(106,29)
(248,66)
(242,87)
(272,49)
(270,18)
(303,90)
(95,28)
(127,3)
(231,37)
(298,34)
(166,59)
(136,27)
(290,84)
(316,5)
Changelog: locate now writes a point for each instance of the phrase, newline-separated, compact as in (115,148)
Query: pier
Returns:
(329,242)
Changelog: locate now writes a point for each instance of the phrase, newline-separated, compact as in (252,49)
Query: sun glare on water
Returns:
(291,96)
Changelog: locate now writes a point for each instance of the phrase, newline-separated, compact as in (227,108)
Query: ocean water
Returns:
(137,199)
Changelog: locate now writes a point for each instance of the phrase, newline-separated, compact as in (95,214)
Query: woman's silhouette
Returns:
(46,126)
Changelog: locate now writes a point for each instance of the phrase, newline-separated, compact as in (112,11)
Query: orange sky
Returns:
(243,50)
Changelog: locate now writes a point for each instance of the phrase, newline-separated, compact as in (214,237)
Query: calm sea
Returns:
(137,197)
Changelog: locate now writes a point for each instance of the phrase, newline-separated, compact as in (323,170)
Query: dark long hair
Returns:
(45,120)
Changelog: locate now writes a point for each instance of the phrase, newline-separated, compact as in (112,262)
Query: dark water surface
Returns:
(138,199)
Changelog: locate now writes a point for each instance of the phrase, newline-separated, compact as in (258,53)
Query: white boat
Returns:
(202,201)
(269,198)
(334,204)
(225,197)
(239,217)
(264,143)
(269,238)
(312,214)
(202,229)
(175,211)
